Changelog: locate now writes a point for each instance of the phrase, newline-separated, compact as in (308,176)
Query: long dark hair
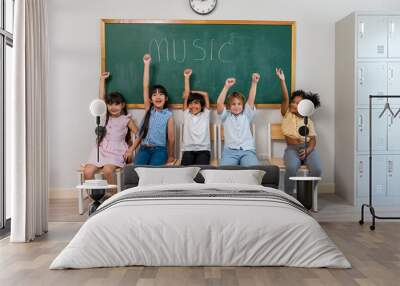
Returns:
(145,127)
(116,98)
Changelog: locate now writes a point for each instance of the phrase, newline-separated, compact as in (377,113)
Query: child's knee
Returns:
(291,168)
(316,171)
(108,171)
(88,172)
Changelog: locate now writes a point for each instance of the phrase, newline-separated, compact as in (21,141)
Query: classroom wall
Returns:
(74,43)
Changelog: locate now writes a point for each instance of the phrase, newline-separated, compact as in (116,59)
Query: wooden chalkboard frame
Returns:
(292,24)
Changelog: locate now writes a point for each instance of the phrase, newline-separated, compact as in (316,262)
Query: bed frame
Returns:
(130,178)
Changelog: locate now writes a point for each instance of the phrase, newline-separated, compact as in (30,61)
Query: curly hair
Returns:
(314,97)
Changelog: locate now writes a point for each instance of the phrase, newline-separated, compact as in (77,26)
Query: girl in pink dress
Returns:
(116,146)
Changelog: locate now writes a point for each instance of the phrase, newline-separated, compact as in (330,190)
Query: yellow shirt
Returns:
(291,124)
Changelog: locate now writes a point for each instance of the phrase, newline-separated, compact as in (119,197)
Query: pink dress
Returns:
(113,146)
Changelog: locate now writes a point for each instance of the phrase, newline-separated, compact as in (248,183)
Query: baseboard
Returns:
(326,188)
(63,193)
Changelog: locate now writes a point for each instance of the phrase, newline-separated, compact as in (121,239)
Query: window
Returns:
(6,61)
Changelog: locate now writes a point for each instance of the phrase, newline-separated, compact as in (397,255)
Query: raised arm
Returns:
(253,90)
(146,81)
(222,96)
(285,94)
(102,86)
(187,73)
(204,94)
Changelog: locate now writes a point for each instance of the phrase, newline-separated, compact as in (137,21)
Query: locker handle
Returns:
(390,167)
(391,73)
(361,29)
(361,76)
(391,29)
(391,120)
(360,122)
(361,168)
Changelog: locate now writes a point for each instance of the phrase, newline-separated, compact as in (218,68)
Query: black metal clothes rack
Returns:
(370,205)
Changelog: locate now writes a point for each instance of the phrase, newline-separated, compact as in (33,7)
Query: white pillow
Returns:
(166,176)
(248,177)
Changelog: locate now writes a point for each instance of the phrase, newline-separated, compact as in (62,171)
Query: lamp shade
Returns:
(305,107)
(98,107)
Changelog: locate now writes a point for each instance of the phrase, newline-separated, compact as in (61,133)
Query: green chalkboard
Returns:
(215,50)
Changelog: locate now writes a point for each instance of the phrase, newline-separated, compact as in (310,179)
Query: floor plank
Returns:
(375,257)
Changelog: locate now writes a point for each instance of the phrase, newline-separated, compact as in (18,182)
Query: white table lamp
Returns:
(305,108)
(98,108)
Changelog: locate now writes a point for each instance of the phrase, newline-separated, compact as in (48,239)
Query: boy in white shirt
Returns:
(239,142)
(196,125)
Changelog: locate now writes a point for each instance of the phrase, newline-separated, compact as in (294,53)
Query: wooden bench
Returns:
(81,181)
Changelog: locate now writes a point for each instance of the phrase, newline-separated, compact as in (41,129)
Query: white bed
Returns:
(225,225)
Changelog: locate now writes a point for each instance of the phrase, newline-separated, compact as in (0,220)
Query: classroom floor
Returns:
(374,255)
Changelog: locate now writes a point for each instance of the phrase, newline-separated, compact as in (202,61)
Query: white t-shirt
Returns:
(196,131)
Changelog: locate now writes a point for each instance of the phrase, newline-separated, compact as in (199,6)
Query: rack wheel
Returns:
(361,222)
(372,227)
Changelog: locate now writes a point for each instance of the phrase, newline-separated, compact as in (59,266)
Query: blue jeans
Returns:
(239,157)
(293,162)
(154,156)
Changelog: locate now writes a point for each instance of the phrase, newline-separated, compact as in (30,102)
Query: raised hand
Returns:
(147,58)
(105,75)
(280,74)
(230,82)
(187,72)
(255,77)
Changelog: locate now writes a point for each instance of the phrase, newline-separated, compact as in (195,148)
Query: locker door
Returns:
(372,79)
(394,81)
(372,36)
(394,36)
(379,175)
(393,175)
(393,133)
(362,175)
(379,171)
(379,130)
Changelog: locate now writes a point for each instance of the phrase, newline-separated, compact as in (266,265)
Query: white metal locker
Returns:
(362,175)
(394,37)
(394,81)
(372,79)
(372,36)
(393,175)
(379,175)
(379,130)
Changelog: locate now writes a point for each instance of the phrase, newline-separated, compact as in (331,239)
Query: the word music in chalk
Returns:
(183,50)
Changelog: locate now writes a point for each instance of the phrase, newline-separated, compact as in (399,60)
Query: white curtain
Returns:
(28,123)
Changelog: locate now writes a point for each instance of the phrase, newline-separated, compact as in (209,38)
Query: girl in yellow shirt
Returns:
(292,126)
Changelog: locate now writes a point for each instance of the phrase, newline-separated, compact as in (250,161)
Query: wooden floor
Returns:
(374,255)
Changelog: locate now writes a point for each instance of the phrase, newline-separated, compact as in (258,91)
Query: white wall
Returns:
(75,64)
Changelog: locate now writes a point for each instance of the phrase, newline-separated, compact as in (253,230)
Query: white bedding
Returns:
(199,231)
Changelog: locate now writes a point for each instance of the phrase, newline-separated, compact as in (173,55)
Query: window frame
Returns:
(6,39)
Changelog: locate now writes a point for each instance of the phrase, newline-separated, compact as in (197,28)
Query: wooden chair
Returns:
(99,173)
(275,134)
(213,136)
